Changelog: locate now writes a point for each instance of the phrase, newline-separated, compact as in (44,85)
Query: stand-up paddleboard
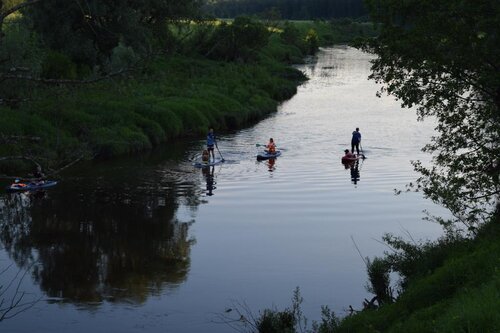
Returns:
(31,186)
(207,164)
(265,155)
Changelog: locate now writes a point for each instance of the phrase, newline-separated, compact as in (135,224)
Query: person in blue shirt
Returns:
(356,139)
(211,143)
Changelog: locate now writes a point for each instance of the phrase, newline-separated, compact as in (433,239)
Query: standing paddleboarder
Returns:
(355,141)
(211,143)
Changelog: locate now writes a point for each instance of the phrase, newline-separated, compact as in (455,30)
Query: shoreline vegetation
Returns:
(205,79)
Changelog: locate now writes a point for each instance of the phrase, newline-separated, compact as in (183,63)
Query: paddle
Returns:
(222,158)
(362,152)
(260,145)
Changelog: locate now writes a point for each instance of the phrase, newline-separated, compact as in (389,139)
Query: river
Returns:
(149,243)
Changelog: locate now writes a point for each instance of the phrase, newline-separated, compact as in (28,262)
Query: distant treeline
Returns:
(287,9)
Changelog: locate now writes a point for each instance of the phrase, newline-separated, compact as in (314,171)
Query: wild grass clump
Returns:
(451,285)
(288,320)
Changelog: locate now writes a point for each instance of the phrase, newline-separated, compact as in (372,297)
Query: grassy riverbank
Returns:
(451,285)
(174,95)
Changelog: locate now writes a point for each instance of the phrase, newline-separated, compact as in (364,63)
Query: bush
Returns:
(58,66)
(272,321)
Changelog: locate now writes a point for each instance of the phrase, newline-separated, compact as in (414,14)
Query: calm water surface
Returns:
(151,244)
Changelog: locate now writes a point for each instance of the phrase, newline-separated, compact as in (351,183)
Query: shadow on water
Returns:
(110,236)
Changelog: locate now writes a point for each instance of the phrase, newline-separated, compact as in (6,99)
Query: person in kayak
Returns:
(355,141)
(18,184)
(39,176)
(211,143)
(271,147)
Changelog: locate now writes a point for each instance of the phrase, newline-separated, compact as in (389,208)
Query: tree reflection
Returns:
(91,246)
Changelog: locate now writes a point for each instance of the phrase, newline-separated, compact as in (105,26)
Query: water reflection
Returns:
(208,174)
(354,168)
(271,164)
(106,244)
(355,172)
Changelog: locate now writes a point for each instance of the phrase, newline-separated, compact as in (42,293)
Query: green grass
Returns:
(184,98)
(461,295)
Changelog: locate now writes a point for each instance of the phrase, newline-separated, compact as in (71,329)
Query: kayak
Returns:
(207,164)
(265,155)
(21,187)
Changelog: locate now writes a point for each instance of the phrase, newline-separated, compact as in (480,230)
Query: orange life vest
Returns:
(271,147)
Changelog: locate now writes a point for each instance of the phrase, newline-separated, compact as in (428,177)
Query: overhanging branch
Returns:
(62,81)
(14,9)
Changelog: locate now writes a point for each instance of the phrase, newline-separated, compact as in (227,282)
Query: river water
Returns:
(150,244)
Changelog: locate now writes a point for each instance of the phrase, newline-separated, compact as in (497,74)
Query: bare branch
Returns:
(359,252)
(66,166)
(63,81)
(20,157)
(9,139)
(16,8)
(16,305)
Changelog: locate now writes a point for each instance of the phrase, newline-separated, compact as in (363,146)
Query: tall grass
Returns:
(459,295)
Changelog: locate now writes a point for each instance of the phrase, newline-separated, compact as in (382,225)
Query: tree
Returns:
(69,43)
(444,58)
(89,30)
(238,41)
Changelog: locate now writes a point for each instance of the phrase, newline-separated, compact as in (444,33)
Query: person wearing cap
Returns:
(356,139)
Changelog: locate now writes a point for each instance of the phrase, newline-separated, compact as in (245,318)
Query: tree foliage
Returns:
(288,9)
(61,42)
(239,40)
(89,30)
(444,58)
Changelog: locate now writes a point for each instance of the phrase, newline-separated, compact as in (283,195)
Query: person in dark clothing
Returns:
(355,141)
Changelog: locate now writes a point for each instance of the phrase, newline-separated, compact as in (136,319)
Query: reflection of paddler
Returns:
(355,172)
(270,164)
(209,178)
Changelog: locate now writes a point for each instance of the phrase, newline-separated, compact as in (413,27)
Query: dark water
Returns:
(151,244)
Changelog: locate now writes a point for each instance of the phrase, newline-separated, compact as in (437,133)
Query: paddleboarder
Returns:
(356,140)
(211,143)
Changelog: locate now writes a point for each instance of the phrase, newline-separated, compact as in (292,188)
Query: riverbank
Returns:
(450,285)
(171,96)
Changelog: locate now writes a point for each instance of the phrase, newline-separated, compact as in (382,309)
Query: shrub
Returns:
(58,66)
